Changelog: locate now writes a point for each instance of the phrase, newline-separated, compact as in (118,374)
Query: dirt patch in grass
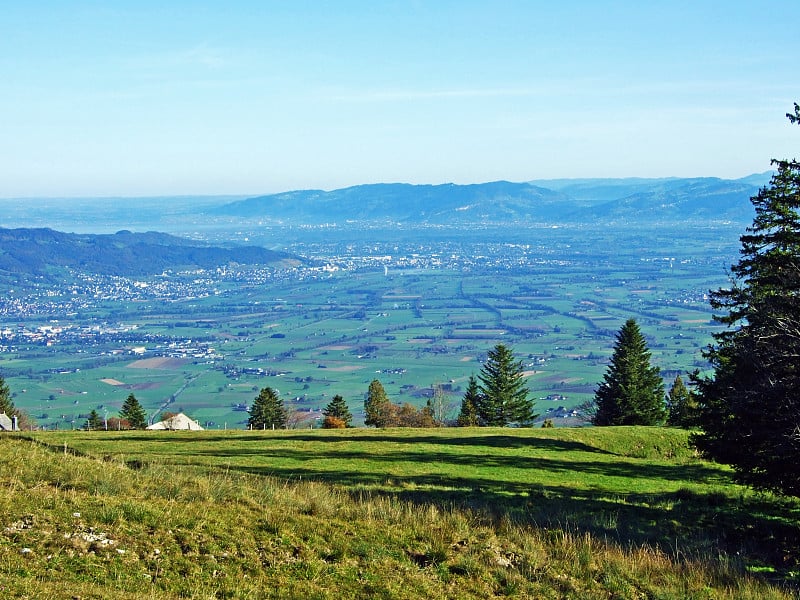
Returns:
(114,382)
(345,368)
(145,385)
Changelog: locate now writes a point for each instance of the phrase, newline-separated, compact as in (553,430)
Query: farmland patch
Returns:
(158,363)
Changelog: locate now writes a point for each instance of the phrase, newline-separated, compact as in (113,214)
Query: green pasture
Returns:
(633,485)
(624,513)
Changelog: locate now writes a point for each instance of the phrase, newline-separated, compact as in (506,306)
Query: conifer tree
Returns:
(337,409)
(6,404)
(750,408)
(94,422)
(267,411)
(632,391)
(468,416)
(133,413)
(503,394)
(681,405)
(377,407)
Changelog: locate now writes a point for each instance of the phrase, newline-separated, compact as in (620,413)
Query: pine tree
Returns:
(632,391)
(133,413)
(6,404)
(750,408)
(94,422)
(337,409)
(681,405)
(468,416)
(268,411)
(377,408)
(503,394)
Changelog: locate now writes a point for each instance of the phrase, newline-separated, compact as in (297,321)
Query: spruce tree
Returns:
(681,405)
(94,422)
(337,409)
(377,408)
(468,416)
(133,413)
(503,394)
(750,407)
(6,404)
(268,411)
(632,391)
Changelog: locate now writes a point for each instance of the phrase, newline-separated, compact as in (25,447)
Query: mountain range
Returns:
(628,202)
(545,201)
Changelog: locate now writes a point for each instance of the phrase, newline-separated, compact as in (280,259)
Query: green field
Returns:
(566,513)
(317,336)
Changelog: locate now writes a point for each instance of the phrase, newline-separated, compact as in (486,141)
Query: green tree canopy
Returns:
(682,406)
(268,411)
(503,395)
(632,391)
(94,422)
(377,407)
(6,404)
(468,416)
(337,408)
(133,413)
(750,407)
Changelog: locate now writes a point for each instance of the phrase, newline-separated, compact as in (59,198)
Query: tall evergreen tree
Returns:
(268,411)
(377,407)
(681,405)
(337,409)
(468,416)
(94,422)
(503,394)
(632,391)
(133,413)
(750,408)
(6,404)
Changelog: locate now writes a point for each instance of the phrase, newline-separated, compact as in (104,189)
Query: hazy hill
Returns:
(705,199)
(566,200)
(402,202)
(36,251)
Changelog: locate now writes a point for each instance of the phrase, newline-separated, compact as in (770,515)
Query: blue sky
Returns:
(157,98)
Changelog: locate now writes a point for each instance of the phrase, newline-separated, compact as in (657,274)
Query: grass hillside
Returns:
(586,513)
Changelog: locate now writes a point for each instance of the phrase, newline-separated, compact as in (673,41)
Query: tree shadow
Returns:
(498,487)
(680,522)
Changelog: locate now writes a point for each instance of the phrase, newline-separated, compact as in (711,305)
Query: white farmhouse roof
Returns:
(179,421)
(6,424)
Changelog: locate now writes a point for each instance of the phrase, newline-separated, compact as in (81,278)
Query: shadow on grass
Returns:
(421,469)
(761,530)
(257,438)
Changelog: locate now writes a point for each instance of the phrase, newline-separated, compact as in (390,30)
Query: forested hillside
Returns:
(37,251)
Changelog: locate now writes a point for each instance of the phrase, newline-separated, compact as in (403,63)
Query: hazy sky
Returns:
(169,97)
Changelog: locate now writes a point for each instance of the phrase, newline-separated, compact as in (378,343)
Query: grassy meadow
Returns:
(448,513)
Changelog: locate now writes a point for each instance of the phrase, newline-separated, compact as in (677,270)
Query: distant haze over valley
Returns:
(575,201)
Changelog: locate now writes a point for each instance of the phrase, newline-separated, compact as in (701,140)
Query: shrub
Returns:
(333,423)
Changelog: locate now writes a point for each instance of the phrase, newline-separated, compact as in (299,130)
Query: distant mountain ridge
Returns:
(37,251)
(546,201)
(401,202)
